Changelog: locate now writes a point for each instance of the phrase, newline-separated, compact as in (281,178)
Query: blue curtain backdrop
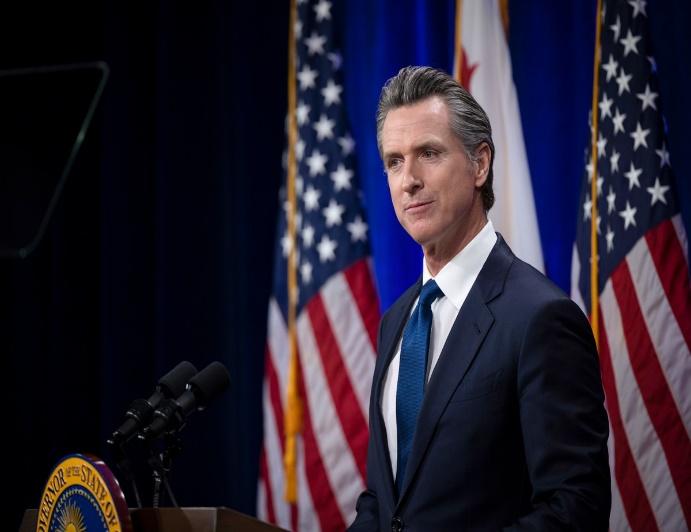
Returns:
(551,46)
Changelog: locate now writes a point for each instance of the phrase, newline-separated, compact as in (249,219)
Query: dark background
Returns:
(145,262)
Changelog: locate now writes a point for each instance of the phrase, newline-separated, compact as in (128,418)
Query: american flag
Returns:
(337,308)
(643,283)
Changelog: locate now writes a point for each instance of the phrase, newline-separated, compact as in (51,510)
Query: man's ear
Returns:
(483,156)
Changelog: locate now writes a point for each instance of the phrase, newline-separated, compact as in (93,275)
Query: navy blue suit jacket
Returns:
(512,432)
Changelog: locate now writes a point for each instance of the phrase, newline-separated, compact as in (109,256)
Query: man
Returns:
(486,410)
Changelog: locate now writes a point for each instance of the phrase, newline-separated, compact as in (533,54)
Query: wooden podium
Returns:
(180,520)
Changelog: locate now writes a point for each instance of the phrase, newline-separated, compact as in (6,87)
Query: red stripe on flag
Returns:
(274,396)
(651,380)
(633,496)
(268,494)
(670,263)
(294,516)
(323,498)
(359,279)
(344,398)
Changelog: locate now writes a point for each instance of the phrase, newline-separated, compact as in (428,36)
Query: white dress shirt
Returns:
(455,280)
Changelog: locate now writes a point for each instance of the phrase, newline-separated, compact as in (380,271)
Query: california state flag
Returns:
(483,66)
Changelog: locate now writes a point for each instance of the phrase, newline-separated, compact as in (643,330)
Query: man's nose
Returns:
(411,177)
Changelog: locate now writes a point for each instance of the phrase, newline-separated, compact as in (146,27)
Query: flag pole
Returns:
(293,415)
(594,284)
(504,12)
(458,44)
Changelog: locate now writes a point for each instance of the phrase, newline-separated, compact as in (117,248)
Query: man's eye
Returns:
(428,154)
(393,164)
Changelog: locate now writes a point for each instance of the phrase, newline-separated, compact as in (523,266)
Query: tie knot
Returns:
(430,291)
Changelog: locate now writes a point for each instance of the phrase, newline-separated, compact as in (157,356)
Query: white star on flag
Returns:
(315,43)
(357,229)
(639,136)
(628,215)
(286,244)
(311,198)
(611,197)
(587,208)
(307,77)
(333,213)
(299,149)
(302,112)
(347,144)
(614,161)
(664,156)
(616,29)
(623,81)
(629,43)
(332,93)
(336,59)
(324,128)
(322,10)
(638,7)
(601,143)
(326,248)
(317,163)
(647,97)
(632,175)
(610,239)
(618,121)
(605,106)
(657,192)
(308,236)
(611,68)
(341,178)
(306,272)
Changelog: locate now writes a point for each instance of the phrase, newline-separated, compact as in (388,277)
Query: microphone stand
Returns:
(161,463)
(124,464)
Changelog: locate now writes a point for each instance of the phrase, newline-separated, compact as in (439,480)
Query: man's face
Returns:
(434,185)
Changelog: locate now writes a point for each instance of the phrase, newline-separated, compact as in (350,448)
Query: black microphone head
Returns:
(209,383)
(173,383)
(140,412)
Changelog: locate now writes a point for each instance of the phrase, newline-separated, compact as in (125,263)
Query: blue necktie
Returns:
(411,374)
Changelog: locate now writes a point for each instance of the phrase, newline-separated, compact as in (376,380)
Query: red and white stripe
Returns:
(645,340)
(336,334)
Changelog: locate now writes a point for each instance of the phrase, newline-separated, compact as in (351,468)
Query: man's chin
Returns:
(423,230)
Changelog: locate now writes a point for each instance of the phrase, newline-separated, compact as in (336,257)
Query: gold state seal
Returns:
(82,495)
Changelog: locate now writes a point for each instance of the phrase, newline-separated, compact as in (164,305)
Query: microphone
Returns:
(203,388)
(140,412)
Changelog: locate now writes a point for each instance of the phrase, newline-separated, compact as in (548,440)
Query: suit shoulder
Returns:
(538,308)
(532,289)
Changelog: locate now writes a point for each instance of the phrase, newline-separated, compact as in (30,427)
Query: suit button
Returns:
(396,524)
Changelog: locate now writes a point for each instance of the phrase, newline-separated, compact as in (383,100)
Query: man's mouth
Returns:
(417,206)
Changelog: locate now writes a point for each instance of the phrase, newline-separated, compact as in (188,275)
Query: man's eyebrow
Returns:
(427,144)
(392,153)
(424,144)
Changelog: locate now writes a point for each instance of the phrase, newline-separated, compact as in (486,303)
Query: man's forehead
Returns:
(433,107)
(423,121)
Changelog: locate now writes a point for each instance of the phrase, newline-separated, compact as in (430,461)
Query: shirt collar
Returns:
(457,276)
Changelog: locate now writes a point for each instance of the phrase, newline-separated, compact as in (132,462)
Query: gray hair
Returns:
(468,120)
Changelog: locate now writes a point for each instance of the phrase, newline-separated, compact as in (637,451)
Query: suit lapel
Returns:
(388,342)
(462,345)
